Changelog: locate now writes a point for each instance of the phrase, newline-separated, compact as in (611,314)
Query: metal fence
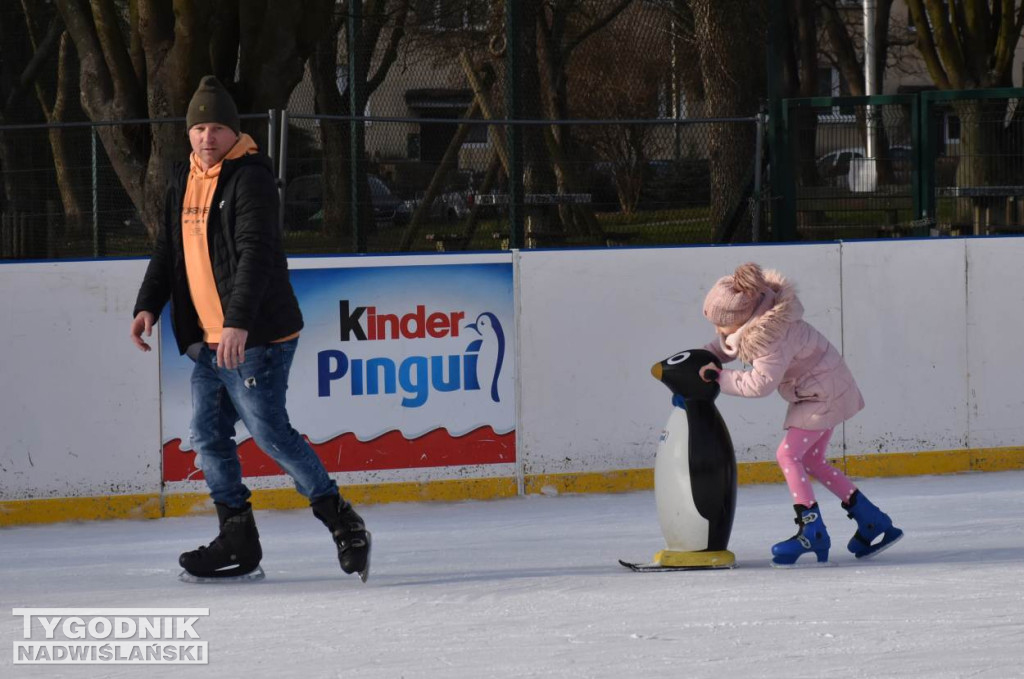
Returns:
(442,183)
(605,145)
(430,184)
(933,163)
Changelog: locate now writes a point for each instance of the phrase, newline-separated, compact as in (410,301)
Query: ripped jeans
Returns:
(254,393)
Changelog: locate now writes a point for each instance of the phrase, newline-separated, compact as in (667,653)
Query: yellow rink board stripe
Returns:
(150,506)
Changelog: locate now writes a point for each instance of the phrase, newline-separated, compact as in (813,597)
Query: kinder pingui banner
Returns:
(398,367)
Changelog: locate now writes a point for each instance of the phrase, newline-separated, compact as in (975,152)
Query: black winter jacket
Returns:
(248,260)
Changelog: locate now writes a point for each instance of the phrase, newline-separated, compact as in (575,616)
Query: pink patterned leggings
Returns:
(802,454)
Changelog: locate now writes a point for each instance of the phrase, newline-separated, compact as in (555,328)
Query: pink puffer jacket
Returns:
(788,354)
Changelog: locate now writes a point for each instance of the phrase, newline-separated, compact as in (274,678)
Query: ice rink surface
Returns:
(530,587)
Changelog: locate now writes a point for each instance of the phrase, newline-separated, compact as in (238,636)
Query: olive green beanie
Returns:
(212,104)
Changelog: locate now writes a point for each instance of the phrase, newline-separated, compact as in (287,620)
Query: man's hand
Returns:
(231,350)
(142,323)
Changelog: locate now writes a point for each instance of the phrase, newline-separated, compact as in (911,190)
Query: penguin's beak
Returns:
(656,371)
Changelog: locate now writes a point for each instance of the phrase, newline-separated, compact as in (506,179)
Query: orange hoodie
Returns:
(195,213)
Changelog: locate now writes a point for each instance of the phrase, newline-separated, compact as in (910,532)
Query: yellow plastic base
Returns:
(676,559)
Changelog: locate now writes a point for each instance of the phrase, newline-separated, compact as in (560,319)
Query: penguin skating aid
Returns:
(694,472)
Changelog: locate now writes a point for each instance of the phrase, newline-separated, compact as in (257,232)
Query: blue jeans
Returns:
(254,393)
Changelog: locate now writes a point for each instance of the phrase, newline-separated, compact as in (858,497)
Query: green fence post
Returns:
(514,133)
(922,168)
(786,177)
(357,130)
(783,227)
(926,159)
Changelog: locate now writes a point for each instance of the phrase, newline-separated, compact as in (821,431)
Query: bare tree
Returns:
(552,35)
(383,29)
(143,59)
(731,36)
(967,45)
(35,60)
(55,98)
(622,73)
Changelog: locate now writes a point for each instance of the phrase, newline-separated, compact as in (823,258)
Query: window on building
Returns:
(832,84)
(665,103)
(951,128)
(341,77)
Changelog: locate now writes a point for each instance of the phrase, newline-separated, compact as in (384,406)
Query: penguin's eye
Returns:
(678,358)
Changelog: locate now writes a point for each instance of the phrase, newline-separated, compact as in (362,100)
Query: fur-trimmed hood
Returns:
(759,333)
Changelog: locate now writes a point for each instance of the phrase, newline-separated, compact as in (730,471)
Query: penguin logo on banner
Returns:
(490,350)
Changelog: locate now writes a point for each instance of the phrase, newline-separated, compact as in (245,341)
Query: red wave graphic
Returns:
(346,453)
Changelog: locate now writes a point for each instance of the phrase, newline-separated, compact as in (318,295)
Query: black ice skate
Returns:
(233,555)
(349,533)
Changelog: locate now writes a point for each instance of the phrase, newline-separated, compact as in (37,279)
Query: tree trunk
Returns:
(731,35)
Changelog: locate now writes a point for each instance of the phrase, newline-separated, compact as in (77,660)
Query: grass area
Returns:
(682,226)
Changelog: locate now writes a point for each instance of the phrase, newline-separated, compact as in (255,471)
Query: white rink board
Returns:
(80,406)
(594,322)
(904,309)
(928,328)
(995,326)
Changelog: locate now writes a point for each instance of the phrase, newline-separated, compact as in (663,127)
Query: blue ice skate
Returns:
(812,537)
(871,522)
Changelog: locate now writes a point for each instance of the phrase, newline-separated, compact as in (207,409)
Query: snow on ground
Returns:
(530,587)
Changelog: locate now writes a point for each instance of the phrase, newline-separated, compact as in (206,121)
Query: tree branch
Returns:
(596,26)
(108,32)
(42,54)
(1007,39)
(926,45)
(390,54)
(95,85)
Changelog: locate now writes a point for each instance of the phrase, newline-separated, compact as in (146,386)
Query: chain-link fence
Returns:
(430,184)
(64,197)
(601,139)
(934,163)
(601,131)
(442,184)
(973,161)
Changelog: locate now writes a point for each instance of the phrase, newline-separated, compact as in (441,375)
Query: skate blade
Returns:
(251,576)
(882,546)
(653,567)
(799,564)
(364,574)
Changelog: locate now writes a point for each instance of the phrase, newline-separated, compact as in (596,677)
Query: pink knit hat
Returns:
(735,299)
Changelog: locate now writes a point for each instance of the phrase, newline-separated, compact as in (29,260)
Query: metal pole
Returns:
(515,132)
(272,136)
(282,166)
(95,199)
(676,109)
(870,88)
(783,219)
(356,127)
(755,234)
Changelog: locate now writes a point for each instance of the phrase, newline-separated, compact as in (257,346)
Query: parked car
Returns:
(834,166)
(454,203)
(304,198)
(448,207)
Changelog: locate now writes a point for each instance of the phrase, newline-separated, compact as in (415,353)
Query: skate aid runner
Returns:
(759,320)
